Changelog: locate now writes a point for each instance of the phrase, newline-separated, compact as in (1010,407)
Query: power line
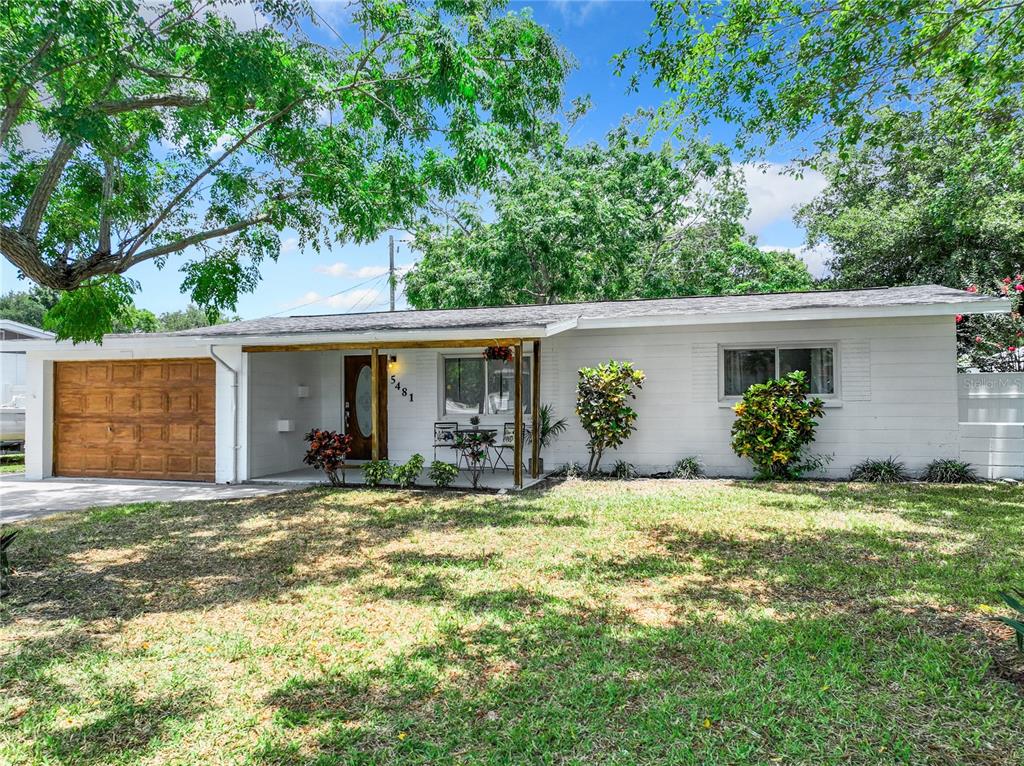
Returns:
(322,298)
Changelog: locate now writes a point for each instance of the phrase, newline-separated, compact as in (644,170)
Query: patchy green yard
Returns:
(12,463)
(625,623)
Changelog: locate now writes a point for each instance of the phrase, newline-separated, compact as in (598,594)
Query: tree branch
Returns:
(36,208)
(108,193)
(184,193)
(12,106)
(121,106)
(195,239)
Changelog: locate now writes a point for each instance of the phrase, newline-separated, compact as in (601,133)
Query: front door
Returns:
(358,406)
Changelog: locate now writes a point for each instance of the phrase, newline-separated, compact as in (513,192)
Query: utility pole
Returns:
(391,268)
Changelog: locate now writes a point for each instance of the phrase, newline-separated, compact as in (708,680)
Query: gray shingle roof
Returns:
(540,315)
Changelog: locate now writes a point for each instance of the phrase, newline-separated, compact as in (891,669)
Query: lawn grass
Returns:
(595,622)
(12,463)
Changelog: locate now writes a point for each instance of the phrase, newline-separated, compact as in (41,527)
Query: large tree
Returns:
(827,76)
(600,222)
(167,130)
(926,210)
(29,306)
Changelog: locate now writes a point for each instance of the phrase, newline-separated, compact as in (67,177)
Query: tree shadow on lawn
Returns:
(567,684)
(983,509)
(120,562)
(58,708)
(808,645)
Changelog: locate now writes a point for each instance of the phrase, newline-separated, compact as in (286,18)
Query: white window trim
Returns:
(485,417)
(834,399)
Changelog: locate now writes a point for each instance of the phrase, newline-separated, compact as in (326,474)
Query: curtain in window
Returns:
(745,367)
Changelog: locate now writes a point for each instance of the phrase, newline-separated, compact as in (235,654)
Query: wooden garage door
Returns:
(146,419)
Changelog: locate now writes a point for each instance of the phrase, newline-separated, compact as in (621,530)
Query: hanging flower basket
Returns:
(504,353)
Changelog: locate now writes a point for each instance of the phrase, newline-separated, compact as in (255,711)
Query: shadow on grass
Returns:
(186,556)
(807,645)
(54,703)
(566,684)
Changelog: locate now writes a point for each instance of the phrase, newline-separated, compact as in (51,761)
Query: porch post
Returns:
(374,406)
(517,471)
(535,409)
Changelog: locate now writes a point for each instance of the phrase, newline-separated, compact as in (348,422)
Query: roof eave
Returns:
(989,306)
(143,341)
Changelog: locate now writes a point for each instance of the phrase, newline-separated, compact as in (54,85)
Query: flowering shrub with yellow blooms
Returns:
(775,422)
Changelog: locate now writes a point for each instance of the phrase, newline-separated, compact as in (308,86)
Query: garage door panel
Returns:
(124,373)
(152,402)
(124,463)
(125,404)
(97,372)
(152,372)
(71,404)
(135,419)
(97,402)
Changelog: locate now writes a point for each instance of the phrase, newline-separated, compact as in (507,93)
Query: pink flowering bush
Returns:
(994,342)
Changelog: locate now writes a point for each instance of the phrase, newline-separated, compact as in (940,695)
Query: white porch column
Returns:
(38,417)
(232,464)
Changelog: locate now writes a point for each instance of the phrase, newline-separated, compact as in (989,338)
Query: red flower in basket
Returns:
(503,353)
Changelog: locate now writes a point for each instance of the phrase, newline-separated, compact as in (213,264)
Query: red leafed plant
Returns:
(994,342)
(327,451)
(503,353)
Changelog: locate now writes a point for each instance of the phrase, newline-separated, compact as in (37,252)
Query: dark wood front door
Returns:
(358,407)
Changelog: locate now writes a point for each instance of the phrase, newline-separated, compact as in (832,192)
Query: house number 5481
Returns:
(399,387)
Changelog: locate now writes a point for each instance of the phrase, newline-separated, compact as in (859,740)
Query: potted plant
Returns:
(499,353)
(548,430)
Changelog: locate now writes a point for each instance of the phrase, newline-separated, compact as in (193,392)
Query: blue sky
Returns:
(350,277)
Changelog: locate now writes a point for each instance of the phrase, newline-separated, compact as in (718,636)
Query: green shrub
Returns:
(375,471)
(775,422)
(888,471)
(443,474)
(572,470)
(601,396)
(1013,600)
(688,468)
(5,565)
(624,470)
(406,474)
(950,471)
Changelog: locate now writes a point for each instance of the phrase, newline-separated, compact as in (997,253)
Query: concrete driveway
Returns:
(21,500)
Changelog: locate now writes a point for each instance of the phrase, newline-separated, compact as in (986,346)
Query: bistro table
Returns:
(484,430)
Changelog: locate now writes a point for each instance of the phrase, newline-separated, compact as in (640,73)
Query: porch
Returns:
(391,398)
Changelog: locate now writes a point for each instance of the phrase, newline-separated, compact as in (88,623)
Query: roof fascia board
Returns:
(792,315)
(143,342)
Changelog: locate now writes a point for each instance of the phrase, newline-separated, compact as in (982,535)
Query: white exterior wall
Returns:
(898,394)
(272,386)
(897,391)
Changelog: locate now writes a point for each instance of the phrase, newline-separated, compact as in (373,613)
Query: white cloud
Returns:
(577,11)
(814,257)
(774,194)
(360,300)
(343,270)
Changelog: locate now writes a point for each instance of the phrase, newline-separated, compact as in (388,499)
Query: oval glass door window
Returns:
(363,389)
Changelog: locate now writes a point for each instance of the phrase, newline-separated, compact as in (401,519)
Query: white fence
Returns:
(992,423)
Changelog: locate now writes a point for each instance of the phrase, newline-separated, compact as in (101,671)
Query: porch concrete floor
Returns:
(500,479)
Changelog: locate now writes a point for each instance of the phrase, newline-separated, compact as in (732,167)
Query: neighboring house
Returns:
(232,402)
(13,382)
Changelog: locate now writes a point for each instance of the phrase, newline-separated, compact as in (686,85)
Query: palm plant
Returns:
(548,430)
(1013,598)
